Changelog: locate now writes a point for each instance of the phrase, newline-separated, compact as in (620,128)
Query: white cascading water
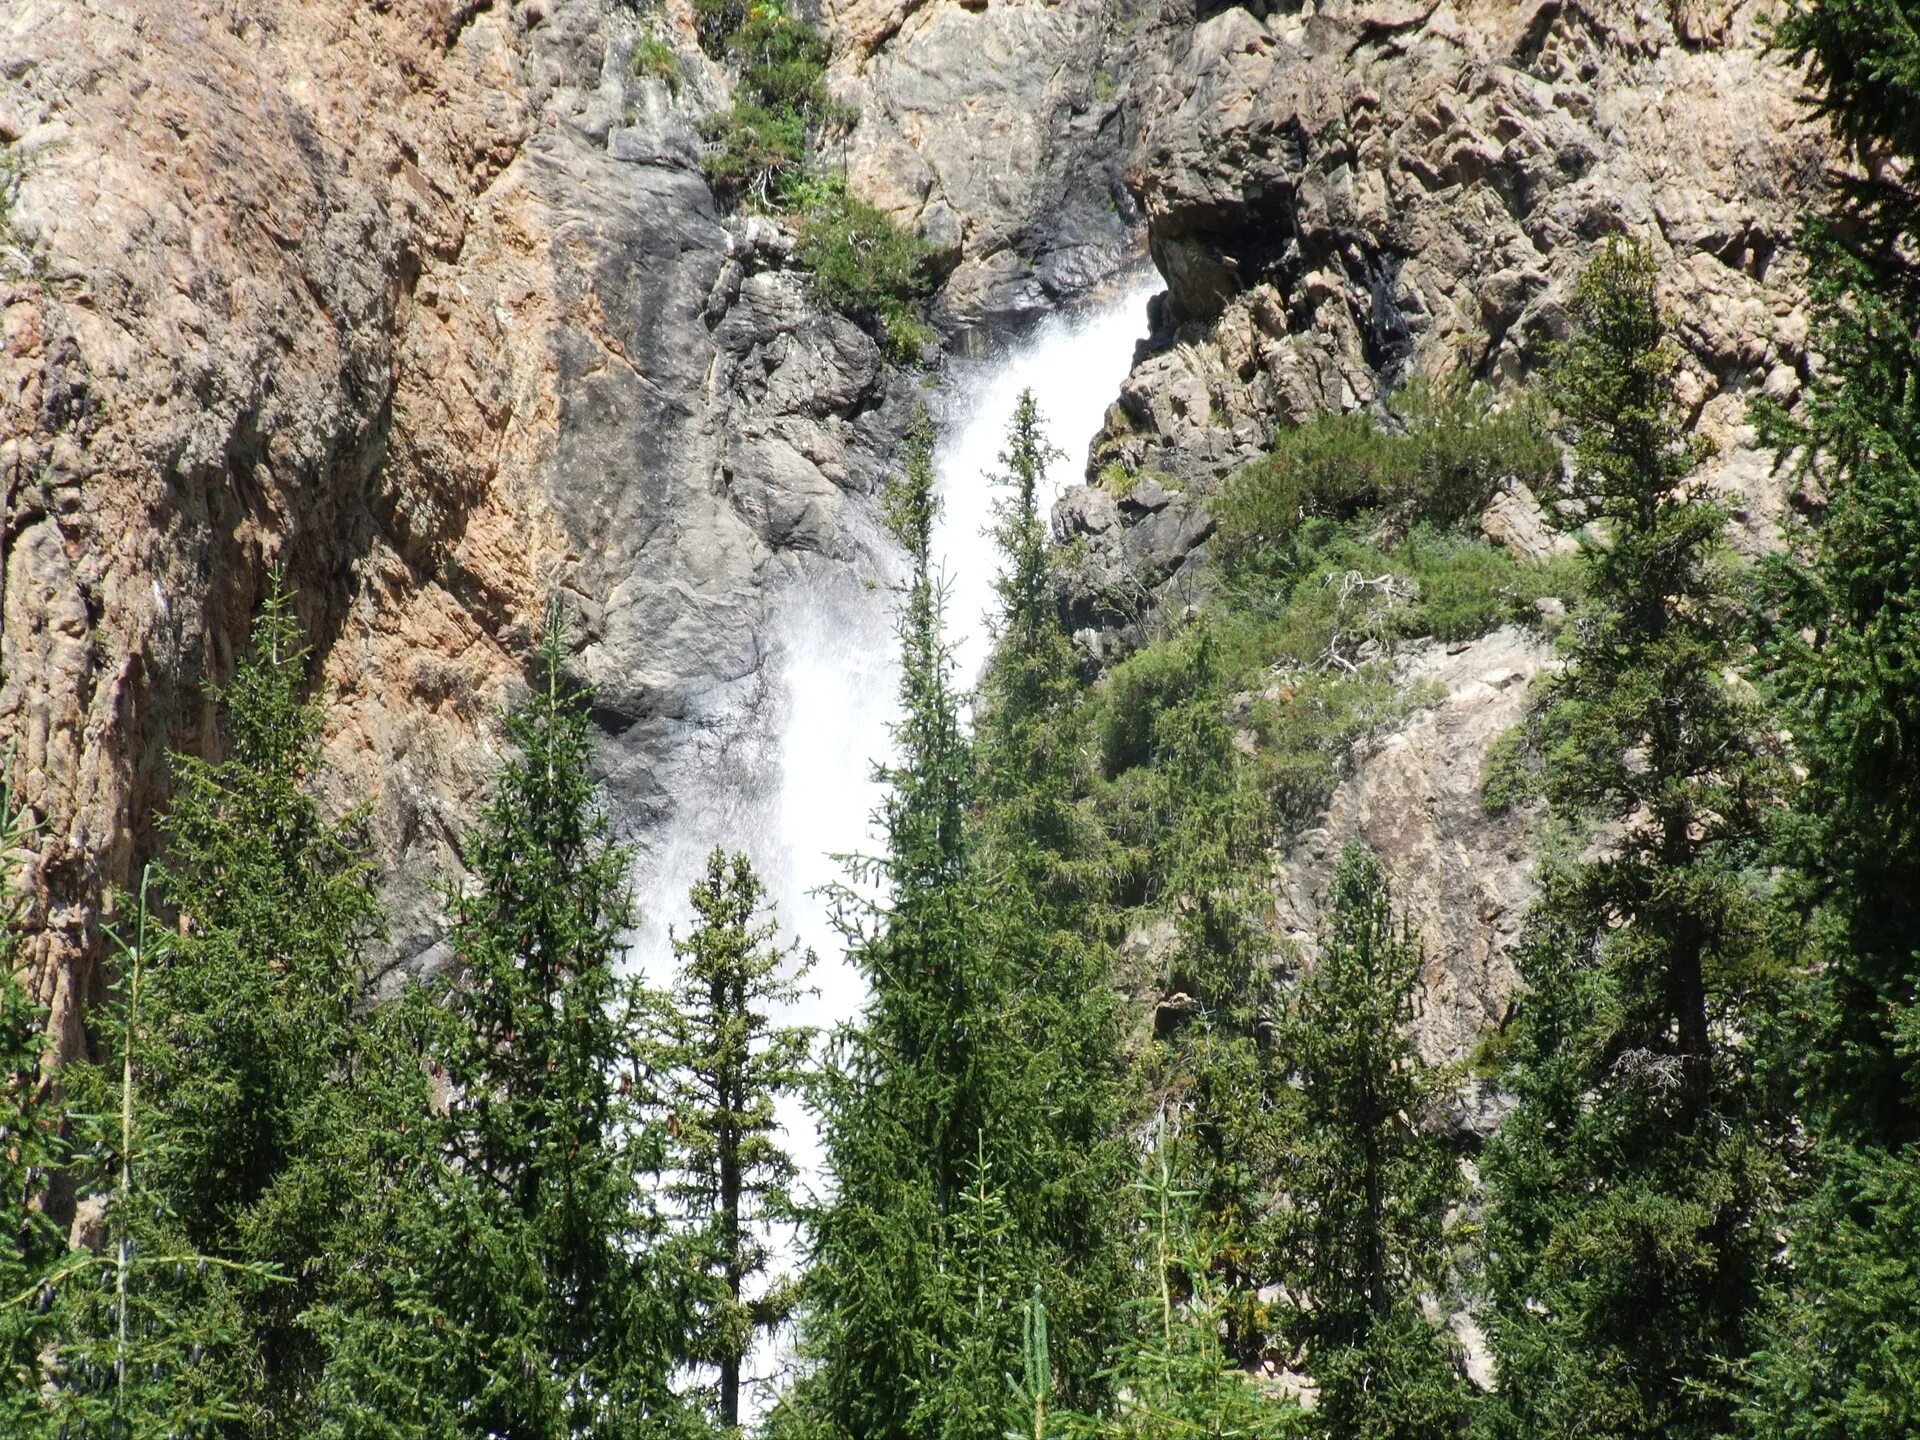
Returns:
(834,691)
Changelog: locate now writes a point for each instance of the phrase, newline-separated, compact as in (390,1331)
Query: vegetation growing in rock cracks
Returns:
(763,155)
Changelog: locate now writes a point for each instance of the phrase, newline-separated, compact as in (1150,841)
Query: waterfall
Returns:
(833,666)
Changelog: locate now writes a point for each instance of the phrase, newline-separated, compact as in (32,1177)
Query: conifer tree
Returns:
(1032,734)
(911,1089)
(197,1130)
(966,1127)
(1173,1376)
(151,1335)
(32,1248)
(1840,1355)
(1215,1055)
(724,1066)
(568,1328)
(1369,1191)
(1043,858)
(1626,1246)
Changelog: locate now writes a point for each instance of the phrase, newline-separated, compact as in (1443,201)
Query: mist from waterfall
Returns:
(834,674)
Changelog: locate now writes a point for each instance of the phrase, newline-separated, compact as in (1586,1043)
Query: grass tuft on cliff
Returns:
(866,265)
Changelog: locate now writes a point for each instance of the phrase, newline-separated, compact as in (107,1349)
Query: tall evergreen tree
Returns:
(1173,1376)
(725,1065)
(1369,1190)
(1626,1238)
(969,1116)
(151,1335)
(32,1249)
(570,1330)
(200,1129)
(910,1089)
(1215,1056)
(1042,855)
(1841,1353)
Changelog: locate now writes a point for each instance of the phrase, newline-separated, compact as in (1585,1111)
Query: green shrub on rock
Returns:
(1438,455)
(865,264)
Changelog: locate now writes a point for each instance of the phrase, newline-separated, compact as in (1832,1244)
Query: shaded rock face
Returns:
(429,305)
(1344,195)
(1350,193)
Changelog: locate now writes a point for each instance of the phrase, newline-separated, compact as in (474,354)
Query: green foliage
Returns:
(1513,773)
(910,1091)
(1194,825)
(971,1115)
(1627,1240)
(1370,1190)
(1865,58)
(781,106)
(31,1119)
(154,1336)
(570,1334)
(1172,1377)
(1041,854)
(1439,456)
(1223,737)
(1843,650)
(725,1066)
(243,1024)
(508,1271)
(654,57)
(204,1128)
(1839,1355)
(865,264)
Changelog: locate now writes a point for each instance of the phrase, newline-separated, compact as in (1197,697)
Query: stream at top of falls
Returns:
(834,674)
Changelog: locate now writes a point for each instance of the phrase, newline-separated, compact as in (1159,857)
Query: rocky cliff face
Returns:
(1345,194)
(427,303)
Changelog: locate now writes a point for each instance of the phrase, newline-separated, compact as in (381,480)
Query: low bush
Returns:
(1438,456)
(781,105)
(865,264)
(654,57)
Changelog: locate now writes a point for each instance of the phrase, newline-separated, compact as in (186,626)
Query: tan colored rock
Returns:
(1463,877)
(1515,520)
(429,305)
(223,216)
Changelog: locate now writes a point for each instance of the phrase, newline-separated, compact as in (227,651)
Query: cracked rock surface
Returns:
(1346,194)
(429,305)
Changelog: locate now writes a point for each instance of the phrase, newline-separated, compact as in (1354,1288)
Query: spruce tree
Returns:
(151,1336)
(1840,1354)
(1173,1376)
(1215,1055)
(201,1127)
(1370,1191)
(242,1028)
(967,1114)
(1043,857)
(32,1249)
(914,1085)
(1626,1238)
(567,1327)
(724,1066)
